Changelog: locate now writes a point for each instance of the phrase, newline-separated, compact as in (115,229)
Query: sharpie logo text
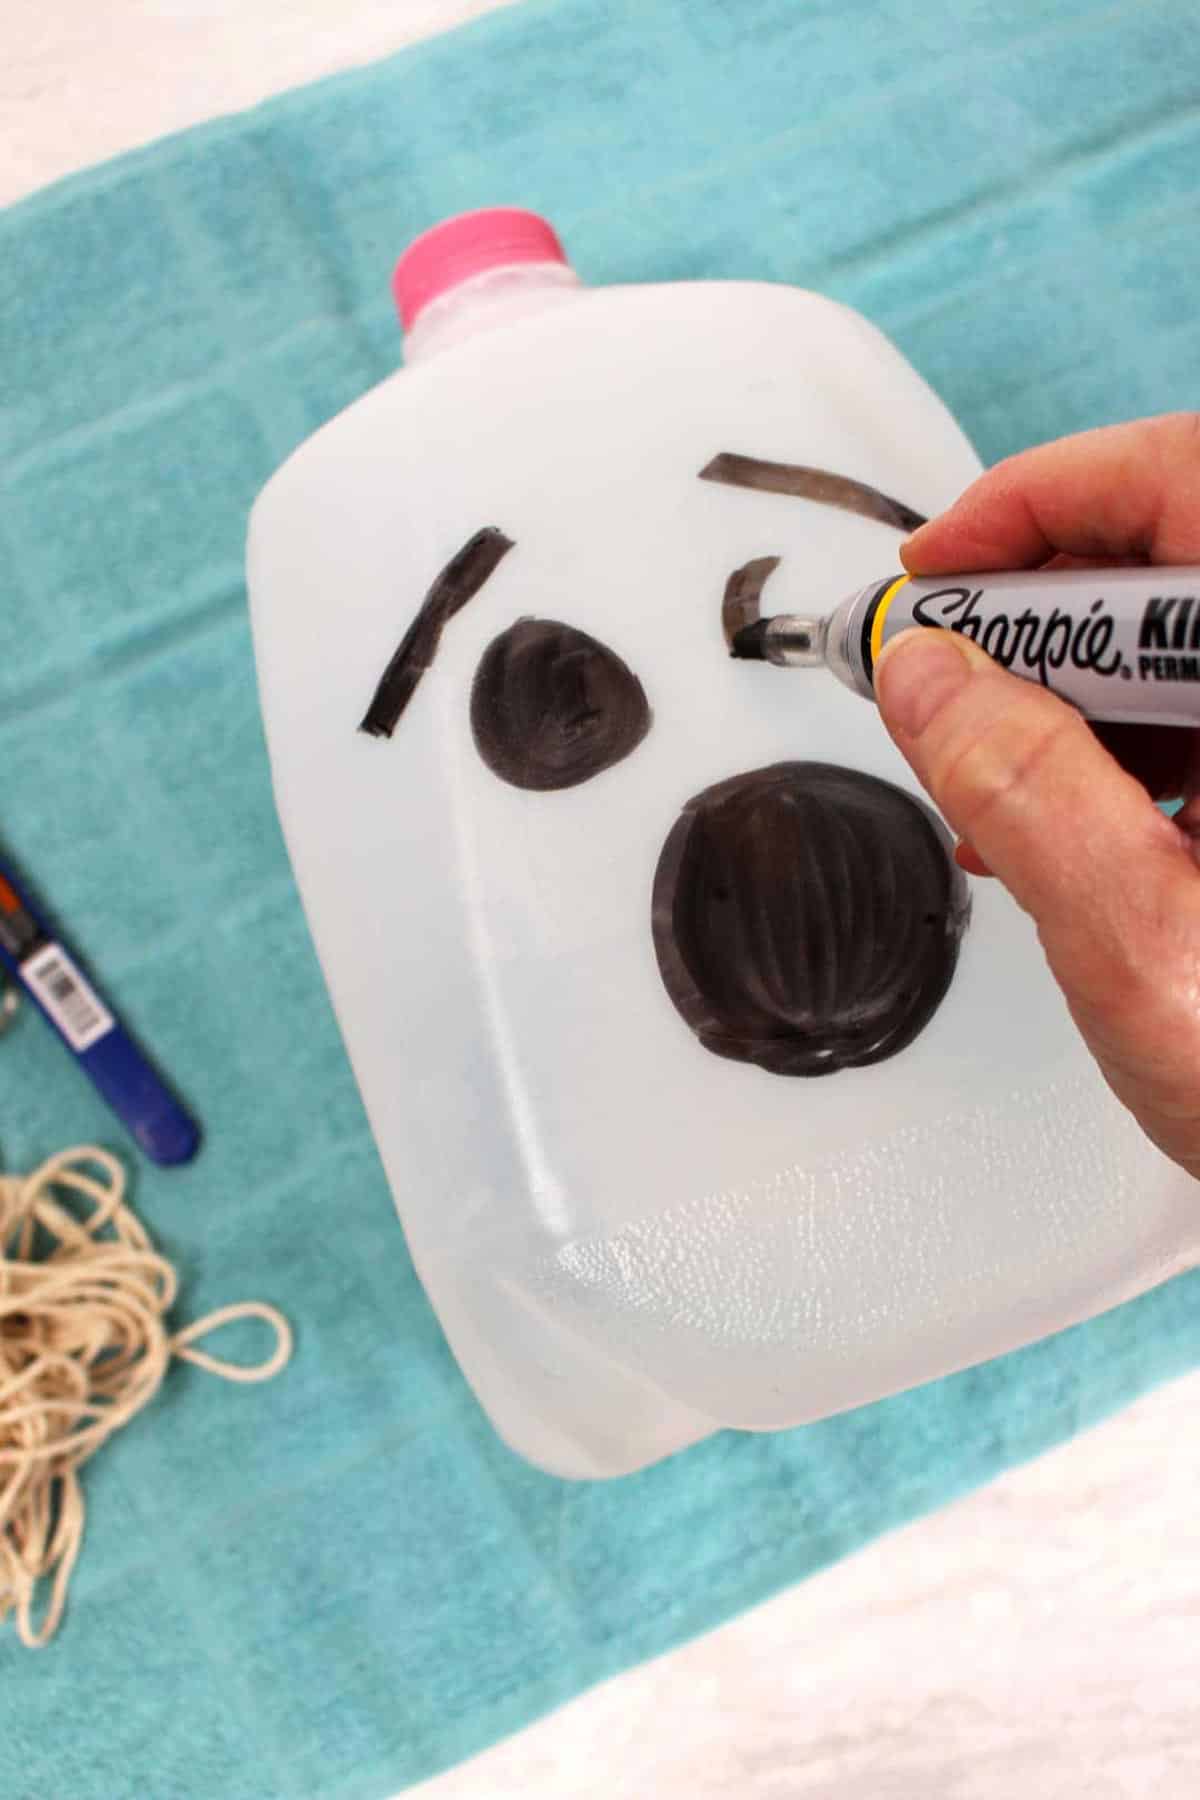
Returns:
(1031,643)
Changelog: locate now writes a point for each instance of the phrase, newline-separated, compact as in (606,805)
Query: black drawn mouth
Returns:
(807,917)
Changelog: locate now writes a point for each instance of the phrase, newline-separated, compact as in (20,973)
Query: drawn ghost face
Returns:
(584,1017)
(805,917)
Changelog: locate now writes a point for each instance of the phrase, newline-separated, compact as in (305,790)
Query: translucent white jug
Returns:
(629,1240)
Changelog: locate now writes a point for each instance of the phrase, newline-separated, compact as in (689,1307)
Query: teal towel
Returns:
(333,1586)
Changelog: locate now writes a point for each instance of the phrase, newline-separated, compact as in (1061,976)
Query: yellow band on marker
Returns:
(881,613)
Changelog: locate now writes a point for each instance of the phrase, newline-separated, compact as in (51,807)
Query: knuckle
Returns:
(1007,757)
(1189,430)
(1179,434)
(1138,916)
(1150,1046)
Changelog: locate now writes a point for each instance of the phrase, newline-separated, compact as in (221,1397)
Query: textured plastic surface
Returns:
(629,1241)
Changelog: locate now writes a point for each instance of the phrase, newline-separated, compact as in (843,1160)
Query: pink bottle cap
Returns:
(468,245)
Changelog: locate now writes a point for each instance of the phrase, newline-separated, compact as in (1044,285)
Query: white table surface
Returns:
(1039,1639)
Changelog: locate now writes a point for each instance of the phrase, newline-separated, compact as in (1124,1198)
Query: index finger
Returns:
(1123,490)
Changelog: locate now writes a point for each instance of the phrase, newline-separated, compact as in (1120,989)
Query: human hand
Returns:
(1036,797)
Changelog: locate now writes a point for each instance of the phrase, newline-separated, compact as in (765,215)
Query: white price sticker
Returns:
(78,1011)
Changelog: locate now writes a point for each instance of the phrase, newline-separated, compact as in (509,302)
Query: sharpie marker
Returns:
(1123,645)
(96,1038)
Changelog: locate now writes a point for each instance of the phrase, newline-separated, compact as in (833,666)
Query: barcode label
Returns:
(79,1013)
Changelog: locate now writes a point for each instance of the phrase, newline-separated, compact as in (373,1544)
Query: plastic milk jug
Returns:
(709,1091)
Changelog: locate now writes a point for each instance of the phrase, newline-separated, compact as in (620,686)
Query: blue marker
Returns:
(99,1042)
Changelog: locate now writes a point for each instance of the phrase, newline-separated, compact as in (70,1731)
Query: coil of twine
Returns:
(83,1347)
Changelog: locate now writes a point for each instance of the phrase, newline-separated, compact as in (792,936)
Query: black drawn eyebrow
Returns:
(459,581)
(803,483)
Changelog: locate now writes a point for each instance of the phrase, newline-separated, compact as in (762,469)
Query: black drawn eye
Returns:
(740,606)
(807,917)
(741,601)
(551,706)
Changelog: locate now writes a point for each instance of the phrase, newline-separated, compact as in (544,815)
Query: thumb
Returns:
(1017,773)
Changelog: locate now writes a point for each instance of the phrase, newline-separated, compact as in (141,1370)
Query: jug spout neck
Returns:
(481,304)
(477,271)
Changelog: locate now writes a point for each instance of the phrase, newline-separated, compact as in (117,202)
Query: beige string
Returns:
(83,1347)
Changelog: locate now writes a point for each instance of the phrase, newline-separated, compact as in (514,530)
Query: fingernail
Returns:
(968,858)
(918,672)
(907,547)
